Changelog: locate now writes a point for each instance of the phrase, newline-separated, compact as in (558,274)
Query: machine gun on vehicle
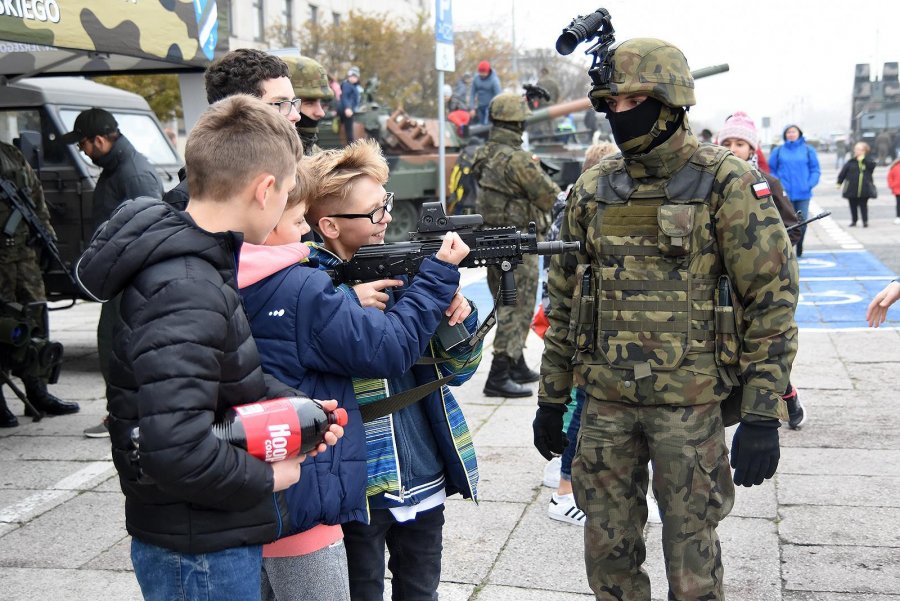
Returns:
(503,247)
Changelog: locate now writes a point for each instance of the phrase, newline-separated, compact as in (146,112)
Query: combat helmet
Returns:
(509,107)
(647,66)
(309,78)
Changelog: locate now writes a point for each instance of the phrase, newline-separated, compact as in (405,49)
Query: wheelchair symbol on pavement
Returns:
(816,263)
(829,297)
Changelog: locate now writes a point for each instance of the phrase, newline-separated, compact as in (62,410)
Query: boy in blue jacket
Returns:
(319,337)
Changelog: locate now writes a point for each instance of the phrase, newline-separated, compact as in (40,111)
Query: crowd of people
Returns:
(674,320)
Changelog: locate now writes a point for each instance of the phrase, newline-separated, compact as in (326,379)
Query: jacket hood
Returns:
(258,262)
(787,127)
(139,234)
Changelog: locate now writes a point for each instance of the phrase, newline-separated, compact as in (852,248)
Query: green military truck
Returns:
(34,113)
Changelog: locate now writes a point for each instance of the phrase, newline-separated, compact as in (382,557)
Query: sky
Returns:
(790,60)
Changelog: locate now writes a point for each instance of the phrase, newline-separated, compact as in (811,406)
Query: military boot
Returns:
(499,383)
(7,418)
(36,391)
(520,373)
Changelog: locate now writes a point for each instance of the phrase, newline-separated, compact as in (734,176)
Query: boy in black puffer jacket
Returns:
(198,508)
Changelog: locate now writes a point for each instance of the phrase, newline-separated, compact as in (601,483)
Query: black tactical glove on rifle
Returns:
(755,452)
(549,438)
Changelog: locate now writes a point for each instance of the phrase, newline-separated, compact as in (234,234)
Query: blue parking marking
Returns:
(836,287)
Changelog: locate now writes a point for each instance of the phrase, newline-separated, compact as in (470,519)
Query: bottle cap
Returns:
(339,417)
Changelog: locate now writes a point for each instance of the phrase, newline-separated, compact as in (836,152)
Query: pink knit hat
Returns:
(739,126)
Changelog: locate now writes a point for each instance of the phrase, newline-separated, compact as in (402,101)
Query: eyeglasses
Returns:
(376,215)
(82,143)
(284,106)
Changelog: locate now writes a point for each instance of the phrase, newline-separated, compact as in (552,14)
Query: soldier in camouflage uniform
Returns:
(20,275)
(310,83)
(684,291)
(513,190)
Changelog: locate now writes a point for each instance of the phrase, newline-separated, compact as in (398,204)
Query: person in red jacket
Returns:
(894,185)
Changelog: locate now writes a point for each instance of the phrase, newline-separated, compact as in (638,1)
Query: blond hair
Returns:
(234,141)
(335,172)
(596,152)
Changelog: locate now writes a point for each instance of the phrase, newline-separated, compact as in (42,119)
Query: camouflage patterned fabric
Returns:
(637,323)
(691,479)
(513,190)
(652,67)
(509,107)
(20,273)
(137,35)
(309,78)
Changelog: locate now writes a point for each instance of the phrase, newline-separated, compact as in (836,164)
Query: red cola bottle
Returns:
(276,429)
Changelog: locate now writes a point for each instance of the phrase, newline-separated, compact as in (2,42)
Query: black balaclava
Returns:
(646,126)
(307,124)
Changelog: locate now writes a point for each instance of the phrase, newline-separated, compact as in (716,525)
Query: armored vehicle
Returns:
(34,113)
(875,111)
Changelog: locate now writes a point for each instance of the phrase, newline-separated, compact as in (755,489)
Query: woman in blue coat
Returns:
(796,164)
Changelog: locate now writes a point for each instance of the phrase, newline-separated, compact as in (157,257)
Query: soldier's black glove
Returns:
(755,452)
(549,438)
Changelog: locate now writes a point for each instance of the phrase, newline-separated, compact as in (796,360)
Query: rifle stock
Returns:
(502,247)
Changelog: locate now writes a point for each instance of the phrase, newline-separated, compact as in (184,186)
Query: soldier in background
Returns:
(684,291)
(20,276)
(310,81)
(513,190)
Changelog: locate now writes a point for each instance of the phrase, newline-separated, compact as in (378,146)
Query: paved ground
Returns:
(826,529)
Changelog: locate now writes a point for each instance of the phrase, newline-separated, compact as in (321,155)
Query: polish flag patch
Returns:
(761,189)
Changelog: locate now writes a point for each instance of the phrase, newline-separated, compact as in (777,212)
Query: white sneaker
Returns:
(896,220)
(652,510)
(551,473)
(563,509)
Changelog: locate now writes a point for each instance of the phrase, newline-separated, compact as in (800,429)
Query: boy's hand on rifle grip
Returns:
(371,294)
(453,250)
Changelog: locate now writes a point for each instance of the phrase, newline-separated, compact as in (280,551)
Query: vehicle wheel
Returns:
(405,218)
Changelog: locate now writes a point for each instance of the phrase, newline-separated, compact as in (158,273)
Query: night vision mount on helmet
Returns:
(639,66)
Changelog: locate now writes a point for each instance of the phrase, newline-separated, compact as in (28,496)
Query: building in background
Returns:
(251,21)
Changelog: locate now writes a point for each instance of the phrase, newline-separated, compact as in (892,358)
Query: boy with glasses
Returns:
(358,344)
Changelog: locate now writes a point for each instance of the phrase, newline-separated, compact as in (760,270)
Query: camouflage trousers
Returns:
(691,482)
(21,281)
(513,323)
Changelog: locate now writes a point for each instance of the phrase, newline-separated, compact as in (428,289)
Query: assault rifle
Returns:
(821,215)
(503,247)
(23,209)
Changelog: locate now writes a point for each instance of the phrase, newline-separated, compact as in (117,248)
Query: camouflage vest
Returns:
(650,294)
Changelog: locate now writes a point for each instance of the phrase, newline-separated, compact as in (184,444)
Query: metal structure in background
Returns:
(875,108)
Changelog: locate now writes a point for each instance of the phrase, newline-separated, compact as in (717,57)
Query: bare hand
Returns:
(333,433)
(877,311)
(458,310)
(287,473)
(370,293)
(348,113)
(453,250)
